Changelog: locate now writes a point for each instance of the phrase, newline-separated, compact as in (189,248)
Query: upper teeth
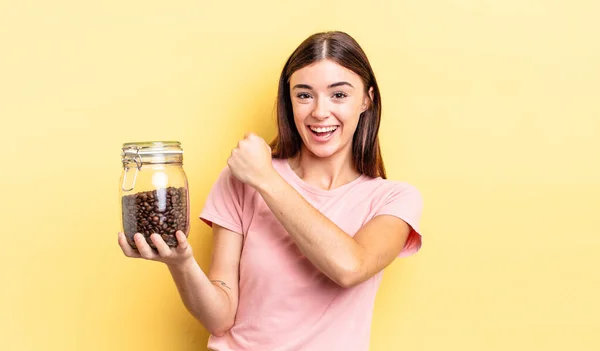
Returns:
(323,129)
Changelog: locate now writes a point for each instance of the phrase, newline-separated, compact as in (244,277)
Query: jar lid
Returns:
(153,147)
(152,152)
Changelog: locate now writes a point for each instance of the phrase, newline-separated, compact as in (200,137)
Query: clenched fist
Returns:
(250,161)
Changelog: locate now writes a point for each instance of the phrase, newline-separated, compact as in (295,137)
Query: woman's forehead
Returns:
(324,73)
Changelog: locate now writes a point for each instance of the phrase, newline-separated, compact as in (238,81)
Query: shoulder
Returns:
(392,196)
(399,199)
(380,187)
(227,182)
(225,176)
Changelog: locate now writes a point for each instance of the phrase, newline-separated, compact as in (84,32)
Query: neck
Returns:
(325,173)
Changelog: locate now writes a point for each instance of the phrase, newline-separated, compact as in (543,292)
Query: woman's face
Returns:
(327,100)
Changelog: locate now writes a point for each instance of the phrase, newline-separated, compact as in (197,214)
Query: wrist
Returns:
(182,266)
(268,181)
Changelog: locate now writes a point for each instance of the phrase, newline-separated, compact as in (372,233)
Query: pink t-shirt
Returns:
(285,302)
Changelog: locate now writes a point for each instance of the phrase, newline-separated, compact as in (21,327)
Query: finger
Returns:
(182,243)
(125,247)
(249,135)
(144,249)
(161,246)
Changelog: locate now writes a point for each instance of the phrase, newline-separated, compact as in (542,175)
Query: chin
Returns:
(324,151)
(320,153)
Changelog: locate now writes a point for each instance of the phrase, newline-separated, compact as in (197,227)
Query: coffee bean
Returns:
(161,211)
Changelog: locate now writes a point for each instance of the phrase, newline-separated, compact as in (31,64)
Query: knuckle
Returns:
(182,245)
(145,253)
(165,253)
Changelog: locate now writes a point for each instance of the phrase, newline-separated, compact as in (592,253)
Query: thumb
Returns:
(183,244)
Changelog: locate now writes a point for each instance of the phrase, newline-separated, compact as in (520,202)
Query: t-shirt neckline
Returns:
(316,190)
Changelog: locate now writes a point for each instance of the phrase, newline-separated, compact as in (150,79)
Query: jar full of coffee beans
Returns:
(154,191)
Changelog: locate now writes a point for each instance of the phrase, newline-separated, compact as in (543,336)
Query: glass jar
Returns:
(154,191)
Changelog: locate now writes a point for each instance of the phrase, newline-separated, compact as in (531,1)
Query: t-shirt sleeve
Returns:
(406,203)
(224,204)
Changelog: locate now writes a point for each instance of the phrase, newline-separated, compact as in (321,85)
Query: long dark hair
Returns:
(345,51)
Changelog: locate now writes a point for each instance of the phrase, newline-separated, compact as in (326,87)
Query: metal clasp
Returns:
(126,161)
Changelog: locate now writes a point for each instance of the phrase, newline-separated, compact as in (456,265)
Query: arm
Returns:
(346,260)
(211,299)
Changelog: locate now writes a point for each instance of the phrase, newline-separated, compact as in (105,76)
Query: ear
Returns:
(367,100)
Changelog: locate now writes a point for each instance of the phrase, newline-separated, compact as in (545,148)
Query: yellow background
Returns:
(490,108)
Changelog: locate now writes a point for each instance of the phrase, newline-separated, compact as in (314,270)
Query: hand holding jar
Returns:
(176,256)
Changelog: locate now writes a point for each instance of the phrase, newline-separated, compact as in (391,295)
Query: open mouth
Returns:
(323,132)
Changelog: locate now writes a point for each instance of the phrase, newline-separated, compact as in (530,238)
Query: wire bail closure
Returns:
(137,159)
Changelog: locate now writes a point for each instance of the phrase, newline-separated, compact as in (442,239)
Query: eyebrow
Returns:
(305,86)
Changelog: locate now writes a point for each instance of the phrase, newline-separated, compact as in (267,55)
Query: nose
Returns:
(321,110)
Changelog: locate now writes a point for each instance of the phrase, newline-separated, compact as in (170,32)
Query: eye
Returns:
(340,95)
(303,96)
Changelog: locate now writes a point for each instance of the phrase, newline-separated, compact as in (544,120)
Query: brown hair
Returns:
(345,51)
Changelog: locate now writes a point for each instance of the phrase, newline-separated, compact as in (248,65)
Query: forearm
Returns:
(328,247)
(208,303)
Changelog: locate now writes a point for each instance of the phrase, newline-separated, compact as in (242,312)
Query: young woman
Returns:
(303,227)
